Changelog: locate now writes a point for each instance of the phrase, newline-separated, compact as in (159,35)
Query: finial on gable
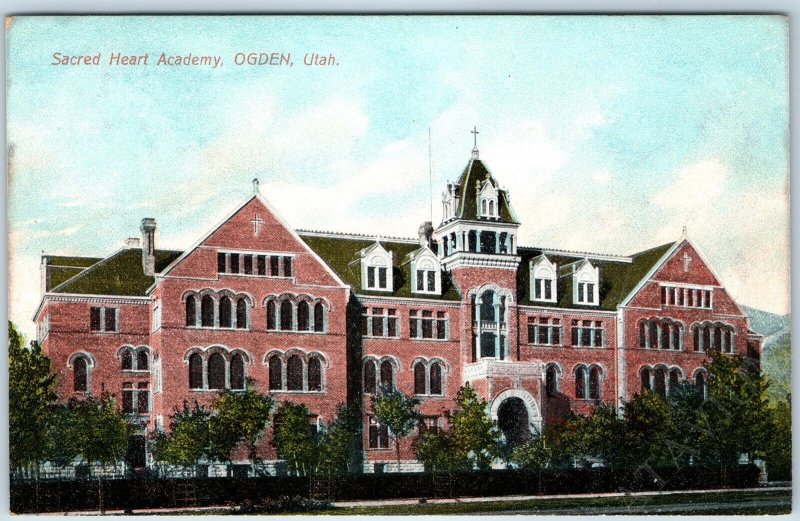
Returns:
(255,186)
(474,133)
(684,234)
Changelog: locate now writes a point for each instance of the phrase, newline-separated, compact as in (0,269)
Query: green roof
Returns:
(466,187)
(121,274)
(61,268)
(340,252)
(617,278)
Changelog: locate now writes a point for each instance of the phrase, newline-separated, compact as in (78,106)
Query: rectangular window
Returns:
(248,264)
(234,262)
(590,293)
(287,266)
(685,297)
(430,423)
(427,324)
(111,319)
(273,266)
(143,398)
(441,325)
(431,280)
(420,280)
(413,324)
(94,319)
(221,262)
(544,331)
(261,265)
(380,322)
(128,398)
(548,289)
(370,277)
(378,435)
(581,291)
(382,283)
(537,289)
(587,333)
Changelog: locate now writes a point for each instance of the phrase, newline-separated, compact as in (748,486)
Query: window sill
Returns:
(135,372)
(296,331)
(216,390)
(257,276)
(376,449)
(418,339)
(217,328)
(544,301)
(105,332)
(384,290)
(544,345)
(589,347)
(381,337)
(430,396)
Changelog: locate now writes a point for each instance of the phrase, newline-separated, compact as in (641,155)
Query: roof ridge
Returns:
(648,250)
(356,236)
(576,253)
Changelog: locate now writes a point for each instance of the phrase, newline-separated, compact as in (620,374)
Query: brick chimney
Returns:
(148,229)
(425,233)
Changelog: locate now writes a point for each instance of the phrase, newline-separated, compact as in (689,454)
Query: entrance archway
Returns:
(517,399)
(512,418)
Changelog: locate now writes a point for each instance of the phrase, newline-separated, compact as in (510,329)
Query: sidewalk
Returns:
(445,501)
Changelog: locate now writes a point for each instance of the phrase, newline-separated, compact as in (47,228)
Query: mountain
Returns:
(776,356)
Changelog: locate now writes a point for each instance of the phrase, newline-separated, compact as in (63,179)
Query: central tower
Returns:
(477,245)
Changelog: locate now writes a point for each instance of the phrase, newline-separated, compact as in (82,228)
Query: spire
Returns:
(474,133)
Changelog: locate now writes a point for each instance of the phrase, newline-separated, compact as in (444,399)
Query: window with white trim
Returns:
(686,297)
(136,400)
(543,280)
(544,331)
(427,325)
(427,275)
(255,264)
(588,333)
(104,319)
(378,434)
(380,322)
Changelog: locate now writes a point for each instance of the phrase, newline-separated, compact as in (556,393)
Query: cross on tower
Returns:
(686,261)
(475,133)
(257,222)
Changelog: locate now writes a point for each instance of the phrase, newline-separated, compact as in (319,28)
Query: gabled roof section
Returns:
(339,250)
(475,172)
(617,278)
(422,250)
(59,269)
(120,274)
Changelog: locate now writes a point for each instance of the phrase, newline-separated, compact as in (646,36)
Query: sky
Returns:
(611,133)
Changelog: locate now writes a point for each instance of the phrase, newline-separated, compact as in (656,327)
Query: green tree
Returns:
(597,435)
(337,443)
(474,435)
(648,432)
(293,437)
(31,398)
(437,451)
(779,447)
(188,438)
(535,454)
(98,429)
(238,417)
(735,419)
(398,412)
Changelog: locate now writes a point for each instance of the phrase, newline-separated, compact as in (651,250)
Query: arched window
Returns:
(237,371)
(286,316)
(314,374)
(224,312)
(303,312)
(419,378)
(580,383)
(272,309)
(216,371)
(142,360)
(701,383)
(195,371)
(241,313)
(80,374)
(488,311)
(483,207)
(646,379)
(697,338)
(294,373)
(370,376)
(387,375)
(674,379)
(661,381)
(491,207)
(275,373)
(594,383)
(207,311)
(551,381)
(319,317)
(436,378)
(191,311)
(643,333)
(127,360)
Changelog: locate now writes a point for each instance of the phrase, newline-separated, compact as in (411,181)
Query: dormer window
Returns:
(426,273)
(376,268)
(487,197)
(585,283)
(543,280)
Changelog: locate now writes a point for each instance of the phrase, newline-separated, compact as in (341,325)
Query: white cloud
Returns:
(694,187)
(602,177)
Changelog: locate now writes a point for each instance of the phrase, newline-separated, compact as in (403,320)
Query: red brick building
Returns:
(326,318)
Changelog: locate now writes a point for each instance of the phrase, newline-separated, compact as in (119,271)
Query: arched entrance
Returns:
(512,418)
(517,415)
